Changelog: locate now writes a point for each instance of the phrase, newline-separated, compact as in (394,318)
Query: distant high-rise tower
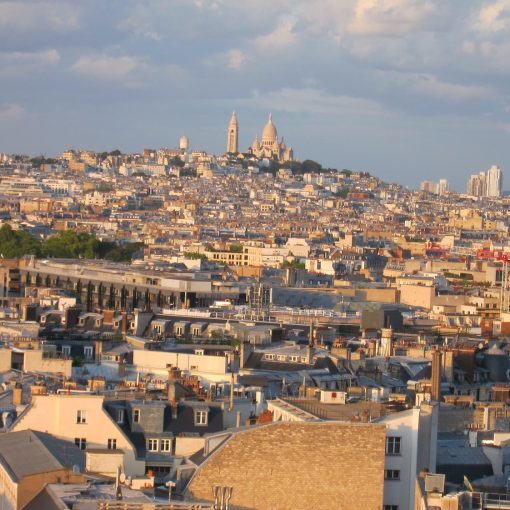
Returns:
(486,184)
(184,143)
(233,131)
(494,181)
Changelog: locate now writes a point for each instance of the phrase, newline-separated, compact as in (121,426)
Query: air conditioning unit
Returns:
(434,483)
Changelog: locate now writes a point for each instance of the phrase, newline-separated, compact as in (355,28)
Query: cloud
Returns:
(389,17)
(139,27)
(235,58)
(493,16)
(367,17)
(430,85)
(22,62)
(20,16)
(12,112)
(313,100)
(283,35)
(106,67)
(128,70)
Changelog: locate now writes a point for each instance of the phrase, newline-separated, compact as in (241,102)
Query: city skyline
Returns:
(400,89)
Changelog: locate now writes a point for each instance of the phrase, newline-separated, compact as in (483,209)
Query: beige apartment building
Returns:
(82,420)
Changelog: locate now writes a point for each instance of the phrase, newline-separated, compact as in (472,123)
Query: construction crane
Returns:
(500,256)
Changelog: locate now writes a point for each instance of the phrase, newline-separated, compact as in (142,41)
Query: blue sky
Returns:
(406,89)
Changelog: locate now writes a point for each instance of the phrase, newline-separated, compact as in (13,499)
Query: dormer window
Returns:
(136,415)
(201,417)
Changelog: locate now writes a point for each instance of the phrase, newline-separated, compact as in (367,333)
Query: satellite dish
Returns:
(122,478)
(76,469)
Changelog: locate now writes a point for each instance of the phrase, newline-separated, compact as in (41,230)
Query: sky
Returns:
(405,89)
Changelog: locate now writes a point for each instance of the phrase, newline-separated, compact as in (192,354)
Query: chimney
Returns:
(122,369)
(245,351)
(124,322)
(72,314)
(17,394)
(108,316)
(309,354)
(99,350)
(238,419)
(436,376)
(231,404)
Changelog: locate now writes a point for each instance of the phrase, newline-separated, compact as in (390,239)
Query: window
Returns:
(66,350)
(120,416)
(393,445)
(136,415)
(390,507)
(153,445)
(200,417)
(80,442)
(87,351)
(112,444)
(166,445)
(392,474)
(81,416)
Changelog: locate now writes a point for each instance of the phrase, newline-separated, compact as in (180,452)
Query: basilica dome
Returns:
(269,133)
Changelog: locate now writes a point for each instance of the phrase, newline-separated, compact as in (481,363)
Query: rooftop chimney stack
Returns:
(436,375)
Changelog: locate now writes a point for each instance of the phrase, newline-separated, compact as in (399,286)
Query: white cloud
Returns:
(235,58)
(139,27)
(367,17)
(283,35)
(127,70)
(468,47)
(388,17)
(20,62)
(106,67)
(494,16)
(12,112)
(19,16)
(430,85)
(313,100)
(45,57)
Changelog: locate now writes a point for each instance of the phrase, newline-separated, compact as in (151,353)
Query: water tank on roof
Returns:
(498,363)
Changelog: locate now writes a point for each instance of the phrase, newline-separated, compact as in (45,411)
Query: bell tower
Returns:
(233,131)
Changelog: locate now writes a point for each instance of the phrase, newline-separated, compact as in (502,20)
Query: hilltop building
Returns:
(269,146)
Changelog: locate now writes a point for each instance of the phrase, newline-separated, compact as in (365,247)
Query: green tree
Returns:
(310,166)
(236,248)
(293,264)
(16,243)
(176,161)
(70,244)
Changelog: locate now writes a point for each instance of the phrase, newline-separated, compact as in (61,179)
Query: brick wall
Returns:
(298,466)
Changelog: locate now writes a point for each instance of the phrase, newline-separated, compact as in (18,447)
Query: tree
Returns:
(176,161)
(293,264)
(343,192)
(195,255)
(310,166)
(70,244)
(17,243)
(236,248)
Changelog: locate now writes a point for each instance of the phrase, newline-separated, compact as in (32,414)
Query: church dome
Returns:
(269,131)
